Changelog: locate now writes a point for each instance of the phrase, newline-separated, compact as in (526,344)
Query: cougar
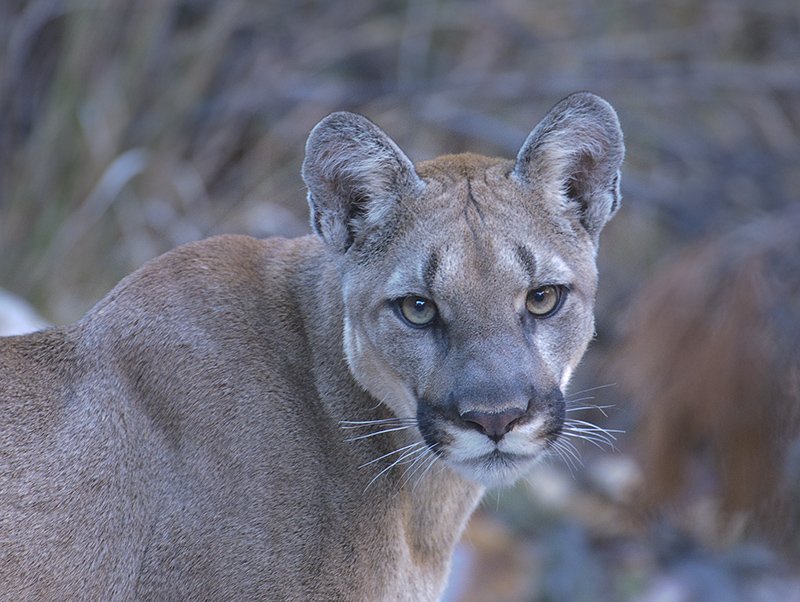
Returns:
(314,418)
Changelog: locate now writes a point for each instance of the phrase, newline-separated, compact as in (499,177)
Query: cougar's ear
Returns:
(356,177)
(574,155)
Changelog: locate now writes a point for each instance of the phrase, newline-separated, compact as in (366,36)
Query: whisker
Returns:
(590,436)
(589,390)
(391,453)
(598,443)
(568,462)
(601,409)
(407,454)
(433,460)
(588,431)
(376,433)
(354,424)
(590,426)
(429,451)
(596,439)
(412,468)
(568,453)
(568,447)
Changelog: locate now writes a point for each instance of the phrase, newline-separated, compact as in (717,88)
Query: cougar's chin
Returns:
(496,469)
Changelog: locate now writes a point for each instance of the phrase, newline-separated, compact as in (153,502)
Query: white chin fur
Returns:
(479,459)
(494,472)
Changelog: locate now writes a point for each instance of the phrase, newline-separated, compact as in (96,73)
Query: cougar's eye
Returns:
(418,311)
(545,300)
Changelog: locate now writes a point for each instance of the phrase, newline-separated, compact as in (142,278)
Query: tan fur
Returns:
(209,431)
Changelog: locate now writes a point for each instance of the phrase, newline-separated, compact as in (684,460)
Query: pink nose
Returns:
(494,425)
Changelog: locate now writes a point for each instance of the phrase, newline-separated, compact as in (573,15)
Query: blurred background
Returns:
(129,127)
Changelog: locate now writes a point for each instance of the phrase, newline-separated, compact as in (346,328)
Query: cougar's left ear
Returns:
(574,155)
(356,177)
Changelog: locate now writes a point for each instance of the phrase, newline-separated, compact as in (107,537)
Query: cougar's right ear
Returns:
(356,177)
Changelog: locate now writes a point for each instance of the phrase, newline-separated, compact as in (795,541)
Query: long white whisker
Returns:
(418,462)
(375,434)
(601,409)
(598,443)
(568,447)
(391,453)
(568,453)
(580,399)
(596,438)
(353,424)
(393,464)
(589,432)
(590,426)
(589,390)
(433,460)
(568,462)
(412,468)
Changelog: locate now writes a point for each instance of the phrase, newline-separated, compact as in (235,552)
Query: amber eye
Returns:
(418,311)
(544,301)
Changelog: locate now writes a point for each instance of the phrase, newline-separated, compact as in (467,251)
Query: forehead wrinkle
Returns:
(473,208)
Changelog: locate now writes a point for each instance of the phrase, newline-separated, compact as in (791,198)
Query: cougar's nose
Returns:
(493,425)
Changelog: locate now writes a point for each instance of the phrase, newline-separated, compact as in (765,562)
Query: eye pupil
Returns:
(418,311)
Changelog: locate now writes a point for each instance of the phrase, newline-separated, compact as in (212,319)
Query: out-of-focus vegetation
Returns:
(128,127)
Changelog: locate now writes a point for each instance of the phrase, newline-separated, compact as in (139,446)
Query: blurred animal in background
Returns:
(711,355)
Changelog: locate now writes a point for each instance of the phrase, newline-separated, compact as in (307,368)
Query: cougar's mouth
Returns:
(492,462)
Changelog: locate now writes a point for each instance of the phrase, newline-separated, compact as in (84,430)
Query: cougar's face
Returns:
(471,320)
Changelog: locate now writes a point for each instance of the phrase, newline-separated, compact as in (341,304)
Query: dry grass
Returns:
(128,127)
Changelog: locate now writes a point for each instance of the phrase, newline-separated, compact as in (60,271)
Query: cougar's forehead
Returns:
(473,229)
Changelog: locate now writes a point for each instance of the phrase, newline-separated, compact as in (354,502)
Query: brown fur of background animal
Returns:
(711,355)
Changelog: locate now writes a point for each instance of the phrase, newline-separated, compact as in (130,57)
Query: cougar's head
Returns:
(469,282)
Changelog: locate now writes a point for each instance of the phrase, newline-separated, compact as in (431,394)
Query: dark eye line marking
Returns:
(430,268)
(526,260)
